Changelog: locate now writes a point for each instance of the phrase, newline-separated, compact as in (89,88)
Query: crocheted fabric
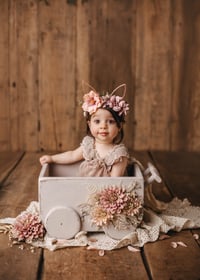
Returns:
(177,216)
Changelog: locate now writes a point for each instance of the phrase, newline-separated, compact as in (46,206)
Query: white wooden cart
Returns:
(61,193)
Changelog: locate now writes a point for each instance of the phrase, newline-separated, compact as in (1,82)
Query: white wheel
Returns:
(62,222)
(114,233)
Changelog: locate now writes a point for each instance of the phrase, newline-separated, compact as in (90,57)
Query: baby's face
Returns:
(103,126)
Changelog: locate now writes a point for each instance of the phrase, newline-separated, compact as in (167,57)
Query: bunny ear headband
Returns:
(93,100)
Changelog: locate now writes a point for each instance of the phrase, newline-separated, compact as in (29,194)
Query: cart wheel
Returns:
(62,222)
(114,233)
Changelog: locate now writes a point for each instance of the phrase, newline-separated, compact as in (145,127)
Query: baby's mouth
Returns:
(103,133)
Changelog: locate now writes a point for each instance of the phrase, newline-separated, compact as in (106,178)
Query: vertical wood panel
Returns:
(4,102)
(82,64)
(48,47)
(178,26)
(27,40)
(14,94)
(57,74)
(153,75)
(186,76)
(189,94)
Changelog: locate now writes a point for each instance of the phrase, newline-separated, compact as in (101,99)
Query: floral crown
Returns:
(93,101)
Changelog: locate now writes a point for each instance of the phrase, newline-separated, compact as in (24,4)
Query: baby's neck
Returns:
(103,148)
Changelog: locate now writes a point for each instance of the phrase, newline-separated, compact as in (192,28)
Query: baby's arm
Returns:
(63,158)
(119,168)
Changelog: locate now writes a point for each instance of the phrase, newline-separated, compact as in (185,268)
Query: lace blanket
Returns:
(178,215)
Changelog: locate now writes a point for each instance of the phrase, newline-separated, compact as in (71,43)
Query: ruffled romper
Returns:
(95,166)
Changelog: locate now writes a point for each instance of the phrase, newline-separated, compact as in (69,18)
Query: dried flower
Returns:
(27,227)
(133,249)
(92,101)
(99,216)
(101,253)
(116,205)
(173,244)
(196,236)
(116,103)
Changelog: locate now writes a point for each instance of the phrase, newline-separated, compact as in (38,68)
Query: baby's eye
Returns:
(111,121)
(96,121)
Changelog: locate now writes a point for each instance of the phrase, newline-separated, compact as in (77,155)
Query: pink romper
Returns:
(94,165)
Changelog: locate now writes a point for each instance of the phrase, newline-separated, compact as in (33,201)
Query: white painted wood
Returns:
(61,194)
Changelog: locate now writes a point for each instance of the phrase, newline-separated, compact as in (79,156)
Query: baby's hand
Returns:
(45,159)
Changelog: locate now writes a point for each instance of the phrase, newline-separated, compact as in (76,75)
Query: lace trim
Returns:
(89,153)
(179,215)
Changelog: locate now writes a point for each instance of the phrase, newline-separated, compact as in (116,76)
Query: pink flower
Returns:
(99,216)
(113,200)
(111,203)
(92,102)
(27,227)
(116,103)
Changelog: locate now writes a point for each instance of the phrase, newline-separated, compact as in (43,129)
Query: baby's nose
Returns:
(103,124)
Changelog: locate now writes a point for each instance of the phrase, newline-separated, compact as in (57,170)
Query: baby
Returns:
(101,151)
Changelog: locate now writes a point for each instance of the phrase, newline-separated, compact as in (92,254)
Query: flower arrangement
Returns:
(27,227)
(92,101)
(117,206)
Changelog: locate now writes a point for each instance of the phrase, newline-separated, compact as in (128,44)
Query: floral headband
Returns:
(93,101)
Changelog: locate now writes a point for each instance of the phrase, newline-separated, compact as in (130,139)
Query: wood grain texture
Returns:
(80,263)
(4,76)
(48,47)
(153,75)
(57,96)
(157,260)
(8,161)
(180,173)
(27,44)
(178,263)
(18,190)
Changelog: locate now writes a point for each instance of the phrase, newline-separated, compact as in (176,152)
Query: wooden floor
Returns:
(158,260)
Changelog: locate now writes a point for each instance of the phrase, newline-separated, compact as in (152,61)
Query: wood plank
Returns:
(153,75)
(4,76)
(8,161)
(180,263)
(18,262)
(14,97)
(27,44)
(82,64)
(57,71)
(80,263)
(18,191)
(22,181)
(180,172)
(163,261)
(185,119)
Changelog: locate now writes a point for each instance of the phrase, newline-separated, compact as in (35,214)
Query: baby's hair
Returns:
(119,121)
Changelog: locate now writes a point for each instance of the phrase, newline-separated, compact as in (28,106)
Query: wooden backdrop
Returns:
(47,47)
